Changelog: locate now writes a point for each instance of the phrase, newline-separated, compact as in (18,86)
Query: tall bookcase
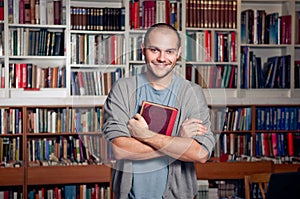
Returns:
(95,51)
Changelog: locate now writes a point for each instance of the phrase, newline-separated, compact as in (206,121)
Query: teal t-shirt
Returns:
(150,176)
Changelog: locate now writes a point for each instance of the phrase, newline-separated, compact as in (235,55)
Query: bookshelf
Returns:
(92,55)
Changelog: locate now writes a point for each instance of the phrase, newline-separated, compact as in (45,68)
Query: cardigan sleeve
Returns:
(119,108)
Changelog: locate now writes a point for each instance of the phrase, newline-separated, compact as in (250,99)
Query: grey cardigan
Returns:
(120,107)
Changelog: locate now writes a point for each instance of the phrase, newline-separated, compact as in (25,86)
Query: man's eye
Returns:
(171,51)
(153,50)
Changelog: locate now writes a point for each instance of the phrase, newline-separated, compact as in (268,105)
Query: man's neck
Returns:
(160,83)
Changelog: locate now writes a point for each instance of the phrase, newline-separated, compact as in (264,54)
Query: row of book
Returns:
(100,191)
(277,144)
(260,27)
(44,12)
(235,144)
(12,192)
(199,46)
(267,118)
(68,149)
(36,42)
(111,19)
(10,150)
(274,73)
(237,119)
(84,82)
(11,121)
(62,120)
(97,49)
(278,118)
(271,145)
(144,13)
(211,14)
(135,47)
(220,76)
(32,76)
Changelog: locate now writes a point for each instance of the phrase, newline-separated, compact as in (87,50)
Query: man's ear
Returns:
(179,52)
(143,48)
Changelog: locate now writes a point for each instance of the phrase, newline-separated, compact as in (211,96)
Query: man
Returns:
(152,165)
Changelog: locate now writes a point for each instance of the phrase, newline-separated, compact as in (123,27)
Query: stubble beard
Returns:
(157,74)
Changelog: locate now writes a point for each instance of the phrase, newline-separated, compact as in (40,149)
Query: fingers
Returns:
(192,127)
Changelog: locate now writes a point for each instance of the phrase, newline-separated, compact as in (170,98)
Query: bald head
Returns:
(163,28)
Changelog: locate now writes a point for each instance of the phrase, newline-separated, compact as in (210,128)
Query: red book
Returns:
(24,75)
(233,47)
(290,144)
(274,144)
(232,77)
(207,45)
(1,9)
(27,19)
(57,12)
(288,31)
(160,118)
(21,12)
(134,15)
(266,144)
(114,47)
(18,75)
(167,11)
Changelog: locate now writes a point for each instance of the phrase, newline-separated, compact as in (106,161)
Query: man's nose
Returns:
(161,56)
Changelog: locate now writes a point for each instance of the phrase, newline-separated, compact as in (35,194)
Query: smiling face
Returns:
(161,53)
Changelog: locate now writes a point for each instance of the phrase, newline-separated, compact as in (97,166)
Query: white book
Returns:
(50,12)
(49,121)
(43,12)
(16,15)
(2,73)
(63,12)
(200,42)
(73,48)
(96,82)
(33,150)
(91,49)
(53,122)
(36,121)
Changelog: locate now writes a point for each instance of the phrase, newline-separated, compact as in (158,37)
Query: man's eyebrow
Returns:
(157,48)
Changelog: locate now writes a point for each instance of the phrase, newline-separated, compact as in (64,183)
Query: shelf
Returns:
(33,26)
(68,174)
(237,170)
(12,176)
(279,168)
(230,170)
(42,93)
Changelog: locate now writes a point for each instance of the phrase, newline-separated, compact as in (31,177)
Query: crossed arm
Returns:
(146,144)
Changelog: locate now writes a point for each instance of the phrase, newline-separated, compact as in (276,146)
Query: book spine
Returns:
(57,12)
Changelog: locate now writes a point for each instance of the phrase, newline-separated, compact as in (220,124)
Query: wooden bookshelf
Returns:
(237,170)
(231,170)
(69,174)
(279,168)
(12,176)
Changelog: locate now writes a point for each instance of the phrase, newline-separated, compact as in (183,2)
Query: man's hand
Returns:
(138,127)
(192,127)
